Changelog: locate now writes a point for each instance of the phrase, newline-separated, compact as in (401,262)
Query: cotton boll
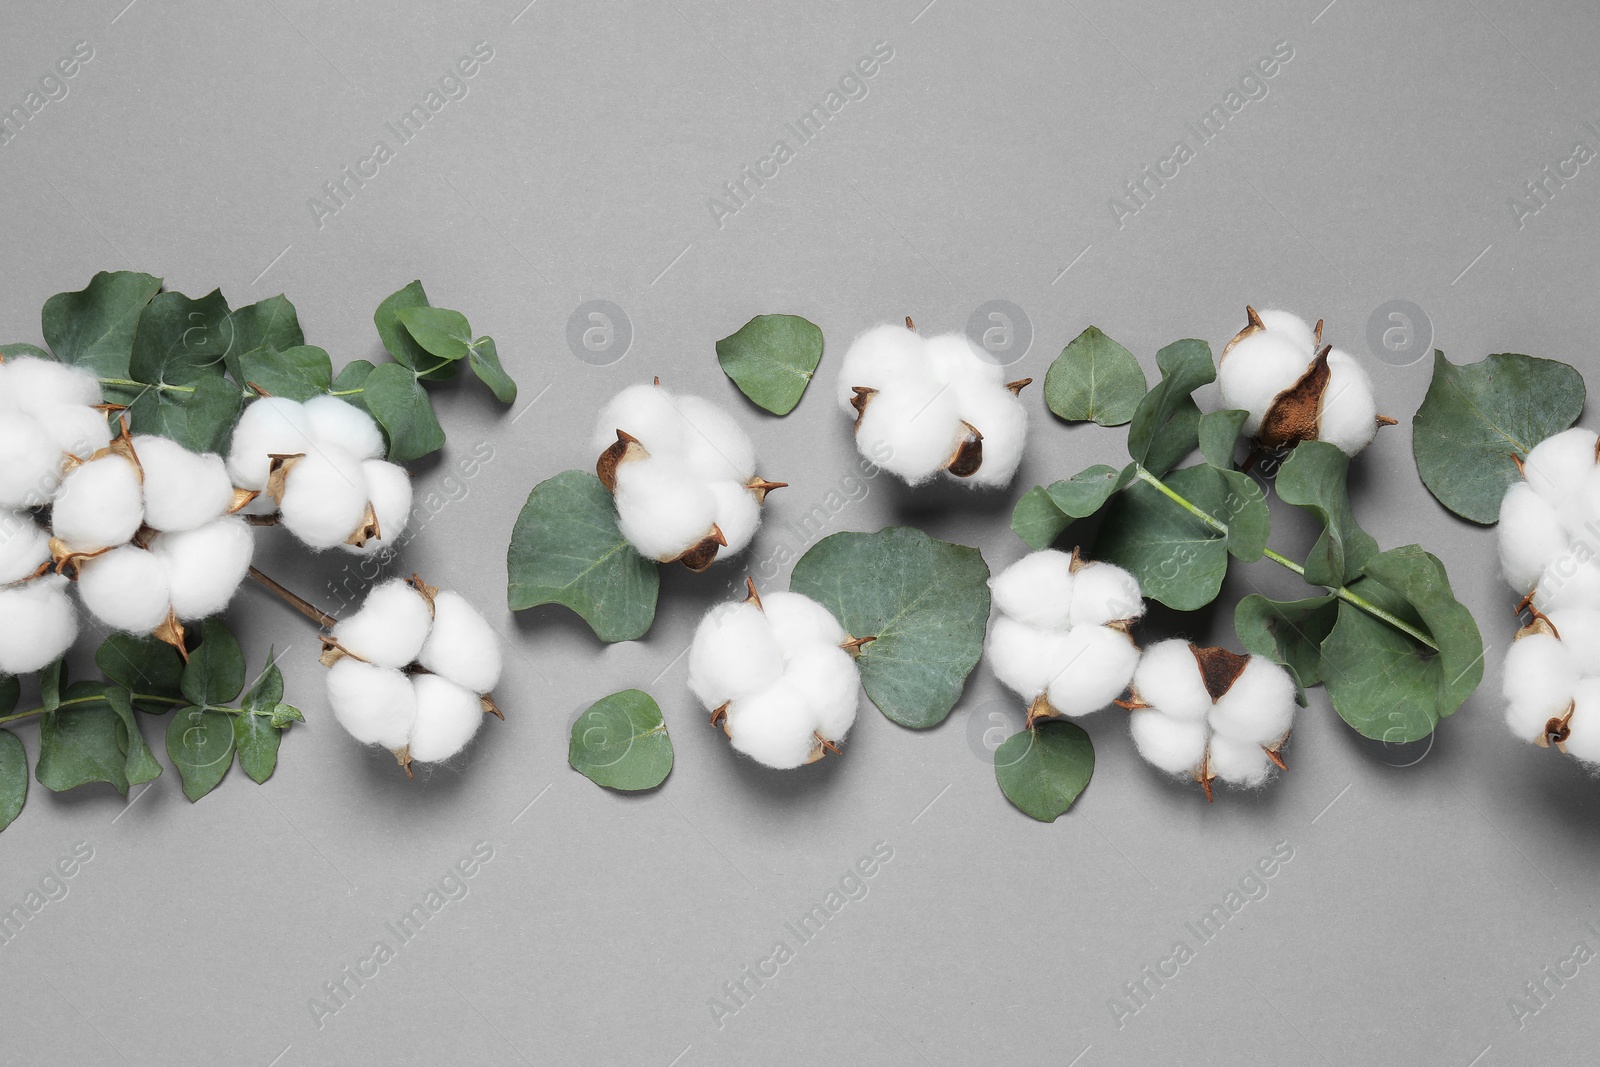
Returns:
(737,515)
(713,444)
(99,504)
(205,566)
(1025,658)
(911,429)
(775,726)
(24,546)
(1239,762)
(797,620)
(953,359)
(1584,740)
(1291,328)
(76,430)
(1580,636)
(333,421)
(1104,592)
(37,624)
(648,412)
(1540,676)
(376,705)
(461,646)
(127,589)
(183,490)
(447,718)
(1099,662)
(828,675)
(1003,420)
(391,627)
(662,508)
(270,426)
(1255,371)
(1037,589)
(1530,535)
(1168,677)
(1258,707)
(1556,466)
(1175,745)
(1348,415)
(1568,583)
(30,463)
(324,497)
(1526,721)
(389,489)
(733,654)
(881,358)
(34,385)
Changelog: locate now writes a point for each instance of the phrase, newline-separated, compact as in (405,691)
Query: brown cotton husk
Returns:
(967,459)
(424,590)
(66,561)
(853,645)
(1018,386)
(703,553)
(278,467)
(242,498)
(368,530)
(171,633)
(625,449)
(491,708)
(1294,413)
(333,651)
(761,487)
(1253,325)
(753,597)
(402,756)
(1041,708)
(863,397)
(1219,669)
(1557,730)
(1205,775)
(719,714)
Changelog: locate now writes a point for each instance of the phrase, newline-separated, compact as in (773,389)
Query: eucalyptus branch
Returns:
(97,697)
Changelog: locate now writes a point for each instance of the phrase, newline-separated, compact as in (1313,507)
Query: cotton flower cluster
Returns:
(1295,388)
(320,463)
(1207,713)
(1552,683)
(779,673)
(923,406)
(1061,641)
(1550,524)
(48,415)
(412,670)
(683,475)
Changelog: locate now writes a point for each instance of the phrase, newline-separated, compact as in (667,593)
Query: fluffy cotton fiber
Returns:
(205,566)
(46,414)
(1549,530)
(917,400)
(126,588)
(100,505)
(37,624)
(776,669)
(183,490)
(1551,683)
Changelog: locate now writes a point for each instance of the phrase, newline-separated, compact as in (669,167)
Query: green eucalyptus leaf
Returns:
(285,715)
(1045,511)
(200,416)
(441,333)
(1478,420)
(139,763)
(485,360)
(397,340)
(1289,632)
(17,350)
(10,693)
(84,740)
(257,740)
(926,603)
(397,400)
(772,359)
(1043,770)
(267,692)
(621,742)
(144,666)
(94,327)
(13,778)
(53,684)
(1219,432)
(1166,425)
(298,373)
(180,340)
(350,384)
(214,674)
(1094,379)
(1177,558)
(1037,520)
(270,323)
(566,549)
(1314,478)
(201,746)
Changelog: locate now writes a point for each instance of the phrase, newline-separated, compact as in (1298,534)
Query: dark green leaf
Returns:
(200,745)
(18,350)
(270,323)
(10,693)
(140,763)
(267,692)
(397,400)
(1043,770)
(13,778)
(925,601)
(1288,632)
(1095,379)
(1314,478)
(351,383)
(200,416)
(1178,558)
(179,340)
(94,328)
(1037,520)
(566,549)
(485,359)
(142,665)
(442,333)
(1476,418)
(397,341)
(1043,512)
(257,741)
(1166,425)
(285,714)
(1219,432)
(621,742)
(82,742)
(214,674)
(1243,509)
(296,373)
(53,684)
(771,359)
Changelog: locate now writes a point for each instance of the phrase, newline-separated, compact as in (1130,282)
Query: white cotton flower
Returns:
(375,705)
(461,645)
(324,497)
(183,490)
(205,566)
(1556,466)
(774,671)
(1206,713)
(648,413)
(30,462)
(1252,374)
(100,504)
(337,423)
(1347,414)
(736,513)
(926,406)
(34,385)
(1551,683)
(1531,536)
(663,508)
(1037,590)
(1097,664)
(126,588)
(37,624)
(271,426)
(390,628)
(448,716)
(1292,328)
(24,546)
(714,445)
(1549,527)
(75,430)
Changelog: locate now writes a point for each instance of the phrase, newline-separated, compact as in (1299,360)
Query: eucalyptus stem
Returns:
(148,698)
(147,385)
(1342,592)
(299,603)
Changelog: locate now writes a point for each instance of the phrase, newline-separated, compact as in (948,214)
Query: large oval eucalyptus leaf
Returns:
(257,732)
(926,602)
(1478,420)
(298,373)
(350,384)
(566,549)
(397,340)
(1166,424)
(199,416)
(1094,379)
(485,360)
(13,778)
(440,332)
(16,350)
(270,323)
(145,667)
(1045,511)
(139,763)
(179,339)
(94,328)
(1314,478)
(1289,632)
(621,742)
(200,745)
(83,740)
(1177,557)
(397,400)
(214,674)
(1043,770)
(1219,434)
(771,359)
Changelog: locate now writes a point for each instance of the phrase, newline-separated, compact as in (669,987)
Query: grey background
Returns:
(1427,885)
